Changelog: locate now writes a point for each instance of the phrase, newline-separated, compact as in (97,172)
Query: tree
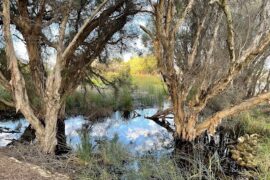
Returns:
(83,30)
(202,47)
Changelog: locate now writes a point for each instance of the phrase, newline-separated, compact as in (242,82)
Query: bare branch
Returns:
(151,35)
(74,43)
(194,51)
(181,20)
(212,122)
(247,57)
(62,29)
(47,41)
(160,119)
(231,36)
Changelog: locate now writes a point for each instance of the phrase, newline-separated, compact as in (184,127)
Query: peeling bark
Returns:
(17,80)
(190,87)
(75,53)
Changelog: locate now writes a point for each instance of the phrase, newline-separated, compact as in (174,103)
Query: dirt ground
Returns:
(22,161)
(12,169)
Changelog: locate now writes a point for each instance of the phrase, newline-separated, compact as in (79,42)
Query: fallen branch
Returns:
(162,115)
(6,130)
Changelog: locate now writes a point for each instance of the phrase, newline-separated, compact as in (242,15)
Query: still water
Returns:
(137,133)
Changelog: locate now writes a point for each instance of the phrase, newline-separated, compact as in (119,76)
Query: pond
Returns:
(137,133)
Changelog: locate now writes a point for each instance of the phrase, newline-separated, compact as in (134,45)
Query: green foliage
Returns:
(89,102)
(4,94)
(163,168)
(263,158)
(124,100)
(108,161)
(136,90)
(113,153)
(85,149)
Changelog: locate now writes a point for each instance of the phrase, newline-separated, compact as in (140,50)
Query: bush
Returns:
(143,65)
(110,160)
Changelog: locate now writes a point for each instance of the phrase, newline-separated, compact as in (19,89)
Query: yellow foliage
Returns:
(143,65)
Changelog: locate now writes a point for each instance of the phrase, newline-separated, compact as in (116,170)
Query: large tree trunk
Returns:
(49,140)
(52,88)
(61,145)
(184,118)
(185,128)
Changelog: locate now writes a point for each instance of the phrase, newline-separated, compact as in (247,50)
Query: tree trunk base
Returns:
(61,147)
(29,136)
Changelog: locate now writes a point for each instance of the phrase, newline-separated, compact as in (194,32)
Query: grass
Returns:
(107,161)
(264,158)
(111,160)
(256,121)
(144,91)
(150,90)
(98,102)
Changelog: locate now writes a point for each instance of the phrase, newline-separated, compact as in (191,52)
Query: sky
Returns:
(135,45)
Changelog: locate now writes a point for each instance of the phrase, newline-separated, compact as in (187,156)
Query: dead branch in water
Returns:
(160,119)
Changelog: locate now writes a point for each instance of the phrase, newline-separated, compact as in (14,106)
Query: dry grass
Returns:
(13,169)
(65,164)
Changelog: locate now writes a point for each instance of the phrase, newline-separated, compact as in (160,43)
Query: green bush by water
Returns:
(146,91)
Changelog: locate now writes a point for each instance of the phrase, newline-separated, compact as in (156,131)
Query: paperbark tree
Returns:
(201,47)
(83,30)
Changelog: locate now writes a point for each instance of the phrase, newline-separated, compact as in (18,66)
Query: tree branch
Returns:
(75,41)
(192,56)
(230,30)
(17,80)
(212,122)
(247,57)
(180,21)
(47,41)
(62,29)
(151,35)
(162,115)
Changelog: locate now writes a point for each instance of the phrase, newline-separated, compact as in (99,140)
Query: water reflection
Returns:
(137,134)
(18,125)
